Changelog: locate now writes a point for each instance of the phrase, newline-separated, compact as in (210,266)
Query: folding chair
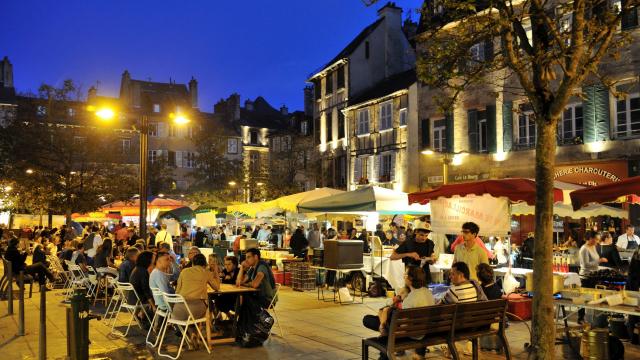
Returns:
(56,267)
(125,290)
(272,307)
(114,304)
(172,300)
(102,286)
(160,312)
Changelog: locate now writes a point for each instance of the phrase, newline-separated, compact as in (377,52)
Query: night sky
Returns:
(254,48)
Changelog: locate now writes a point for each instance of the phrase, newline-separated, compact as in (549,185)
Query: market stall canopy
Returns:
(566,210)
(627,190)
(291,202)
(366,199)
(98,216)
(131,207)
(180,214)
(249,209)
(516,190)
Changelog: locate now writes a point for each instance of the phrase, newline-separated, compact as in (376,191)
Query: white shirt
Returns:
(97,241)
(624,240)
(418,298)
(164,236)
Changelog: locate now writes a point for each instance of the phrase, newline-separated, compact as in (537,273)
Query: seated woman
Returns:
(140,280)
(192,285)
(103,261)
(419,296)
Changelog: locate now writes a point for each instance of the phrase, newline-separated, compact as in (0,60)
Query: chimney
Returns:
(93,92)
(248,105)
(193,91)
(308,100)
(125,87)
(6,73)
(234,106)
(284,110)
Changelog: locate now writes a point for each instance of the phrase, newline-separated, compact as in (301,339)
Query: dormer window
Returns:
(253,137)
(156,108)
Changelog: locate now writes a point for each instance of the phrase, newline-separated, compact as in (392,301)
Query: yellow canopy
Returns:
(286,203)
(250,208)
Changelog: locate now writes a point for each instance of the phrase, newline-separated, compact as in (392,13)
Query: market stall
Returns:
(130,209)
(627,190)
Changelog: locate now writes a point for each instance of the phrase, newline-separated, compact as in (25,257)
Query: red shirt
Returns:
(479,242)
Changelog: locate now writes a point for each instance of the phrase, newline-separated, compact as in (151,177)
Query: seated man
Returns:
(18,264)
(462,289)
(257,274)
(193,251)
(126,267)
(79,257)
(174,268)
(159,278)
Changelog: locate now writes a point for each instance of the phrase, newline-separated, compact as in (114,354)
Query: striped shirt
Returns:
(466,292)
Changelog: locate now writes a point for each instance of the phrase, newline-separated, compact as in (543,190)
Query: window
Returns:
(628,116)
(189,134)
(386,118)
(253,137)
(572,122)
(340,124)
(366,50)
(188,159)
(387,166)
(341,166)
(403,117)
(41,110)
(71,112)
(154,156)
(156,108)
(329,84)
(329,122)
(361,170)
(153,129)
(439,135)
(286,143)
(172,130)
(171,158)
(276,144)
(317,89)
(526,129)
(79,140)
(482,131)
(232,146)
(254,162)
(477,52)
(629,17)
(125,146)
(304,128)
(340,73)
(363,122)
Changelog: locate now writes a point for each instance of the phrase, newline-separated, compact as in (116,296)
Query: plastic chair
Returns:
(272,307)
(160,312)
(172,300)
(114,303)
(132,309)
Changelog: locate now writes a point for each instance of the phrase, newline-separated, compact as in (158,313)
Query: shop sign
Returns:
(470,177)
(592,174)
(490,213)
(435,179)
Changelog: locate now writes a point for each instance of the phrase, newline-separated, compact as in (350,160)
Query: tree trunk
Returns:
(543,324)
(67,216)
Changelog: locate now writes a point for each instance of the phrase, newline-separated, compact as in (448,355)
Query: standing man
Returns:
(199,237)
(164,236)
(314,237)
(91,244)
(470,252)
(628,240)
(417,251)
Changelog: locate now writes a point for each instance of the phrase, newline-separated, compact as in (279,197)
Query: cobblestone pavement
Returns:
(312,330)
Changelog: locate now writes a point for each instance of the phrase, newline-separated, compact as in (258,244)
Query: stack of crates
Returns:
(303,277)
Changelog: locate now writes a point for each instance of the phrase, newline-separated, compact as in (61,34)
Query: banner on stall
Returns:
(490,213)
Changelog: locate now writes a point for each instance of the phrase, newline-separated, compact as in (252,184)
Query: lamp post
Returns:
(107,114)
(447,159)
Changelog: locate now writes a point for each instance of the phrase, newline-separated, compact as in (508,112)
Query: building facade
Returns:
(380,51)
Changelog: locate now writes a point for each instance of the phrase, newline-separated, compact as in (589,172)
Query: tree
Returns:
(214,170)
(58,161)
(541,51)
(161,178)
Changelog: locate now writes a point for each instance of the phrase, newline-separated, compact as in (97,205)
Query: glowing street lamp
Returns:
(232,183)
(29,171)
(447,159)
(105,114)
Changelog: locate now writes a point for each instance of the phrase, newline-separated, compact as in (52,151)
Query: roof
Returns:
(216,124)
(385,87)
(263,115)
(351,47)
(7,95)
(151,86)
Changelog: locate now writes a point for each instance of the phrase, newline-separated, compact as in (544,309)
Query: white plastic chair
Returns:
(172,300)
(272,307)
(114,304)
(132,309)
(160,312)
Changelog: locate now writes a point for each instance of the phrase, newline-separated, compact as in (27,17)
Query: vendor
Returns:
(606,249)
(418,251)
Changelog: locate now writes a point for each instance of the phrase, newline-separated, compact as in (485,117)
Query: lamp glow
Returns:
(181,120)
(232,183)
(427,152)
(105,114)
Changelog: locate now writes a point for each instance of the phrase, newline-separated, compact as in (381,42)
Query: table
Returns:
(570,278)
(340,273)
(225,289)
(391,270)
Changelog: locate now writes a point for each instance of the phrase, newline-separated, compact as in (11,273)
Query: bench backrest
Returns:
(475,315)
(423,321)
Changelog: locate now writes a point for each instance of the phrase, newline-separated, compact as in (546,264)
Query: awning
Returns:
(627,190)
(565,210)
(180,214)
(367,199)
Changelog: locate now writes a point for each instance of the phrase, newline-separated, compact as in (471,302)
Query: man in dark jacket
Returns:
(18,264)
(299,244)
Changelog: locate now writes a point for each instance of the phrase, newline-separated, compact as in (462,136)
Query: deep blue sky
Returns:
(254,47)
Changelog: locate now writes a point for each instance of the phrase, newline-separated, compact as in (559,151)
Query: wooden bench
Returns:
(432,325)
(441,324)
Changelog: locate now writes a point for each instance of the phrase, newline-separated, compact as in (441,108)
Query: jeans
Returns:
(40,271)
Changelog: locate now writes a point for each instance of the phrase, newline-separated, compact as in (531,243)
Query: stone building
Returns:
(378,52)
(7,91)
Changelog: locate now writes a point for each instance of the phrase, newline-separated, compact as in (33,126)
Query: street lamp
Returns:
(29,171)
(107,114)
(447,159)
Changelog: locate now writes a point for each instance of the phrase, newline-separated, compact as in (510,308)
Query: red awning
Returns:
(607,193)
(515,190)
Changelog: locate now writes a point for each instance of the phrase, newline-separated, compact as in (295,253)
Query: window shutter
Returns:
(492,145)
(449,131)
(393,166)
(179,158)
(472,119)
(488,50)
(507,126)
(426,133)
(596,113)
(357,170)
